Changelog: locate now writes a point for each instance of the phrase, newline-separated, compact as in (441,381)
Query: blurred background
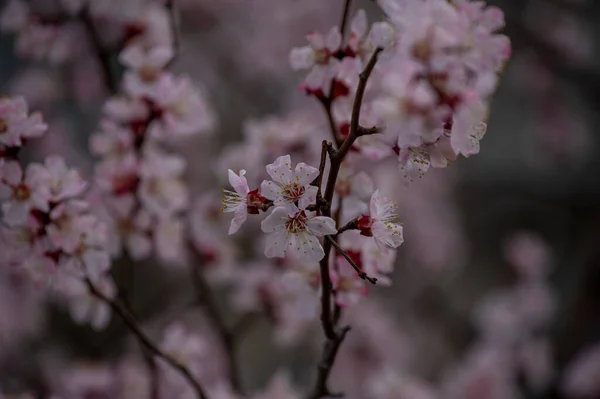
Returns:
(529,198)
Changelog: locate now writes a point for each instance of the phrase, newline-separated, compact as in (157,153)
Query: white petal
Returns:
(309,197)
(239,183)
(276,220)
(281,170)
(306,247)
(305,174)
(389,234)
(358,26)
(302,58)
(321,225)
(239,217)
(277,244)
(270,190)
(334,39)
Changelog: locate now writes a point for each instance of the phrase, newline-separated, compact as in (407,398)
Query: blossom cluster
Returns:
(431,88)
(140,182)
(48,232)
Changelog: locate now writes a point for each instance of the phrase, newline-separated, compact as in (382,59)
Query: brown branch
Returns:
(365,131)
(330,350)
(104,56)
(358,270)
(351,225)
(130,321)
(206,299)
(329,320)
(345,17)
(172,9)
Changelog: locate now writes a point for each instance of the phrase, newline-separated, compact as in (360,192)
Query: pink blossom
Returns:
(20,194)
(183,110)
(295,232)
(349,287)
(65,183)
(86,307)
(383,223)
(242,201)
(146,65)
(290,187)
(17,124)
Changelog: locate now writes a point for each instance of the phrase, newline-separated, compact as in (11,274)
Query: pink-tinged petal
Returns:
(96,262)
(15,213)
(159,56)
(382,34)
(359,23)
(334,39)
(388,233)
(305,247)
(302,58)
(132,56)
(270,190)
(239,217)
(239,183)
(321,225)
(304,174)
(309,197)
(277,244)
(12,173)
(276,220)
(413,162)
(316,40)
(281,170)
(139,246)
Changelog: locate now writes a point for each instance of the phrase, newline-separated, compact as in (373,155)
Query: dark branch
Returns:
(104,56)
(358,270)
(172,9)
(206,299)
(330,351)
(345,17)
(118,308)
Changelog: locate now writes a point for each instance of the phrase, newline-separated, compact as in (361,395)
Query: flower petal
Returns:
(281,170)
(321,225)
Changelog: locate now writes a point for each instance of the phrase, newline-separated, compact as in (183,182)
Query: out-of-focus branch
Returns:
(121,310)
(104,56)
(345,17)
(228,335)
(173,16)
(330,350)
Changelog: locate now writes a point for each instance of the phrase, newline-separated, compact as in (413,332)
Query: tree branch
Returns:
(103,55)
(170,5)
(345,17)
(330,350)
(206,298)
(358,270)
(118,308)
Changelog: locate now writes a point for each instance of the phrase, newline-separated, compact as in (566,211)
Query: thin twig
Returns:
(358,270)
(345,17)
(351,225)
(135,329)
(175,28)
(205,297)
(330,350)
(103,55)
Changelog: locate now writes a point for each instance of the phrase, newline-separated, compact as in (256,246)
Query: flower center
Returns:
(292,192)
(21,192)
(297,223)
(322,56)
(148,74)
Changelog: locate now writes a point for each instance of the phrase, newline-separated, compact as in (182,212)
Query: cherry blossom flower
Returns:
(294,232)
(383,224)
(242,201)
(16,124)
(290,187)
(20,194)
(65,183)
(146,67)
